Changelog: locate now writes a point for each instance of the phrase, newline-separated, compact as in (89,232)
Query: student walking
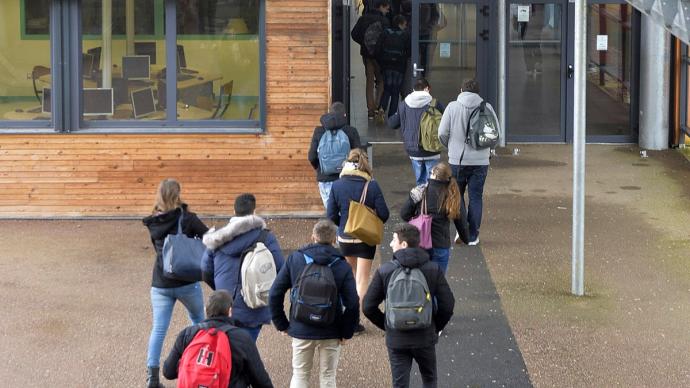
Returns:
(395,50)
(470,166)
(411,334)
(440,199)
(355,177)
(367,33)
(330,145)
(167,211)
(324,305)
(227,248)
(409,118)
(246,367)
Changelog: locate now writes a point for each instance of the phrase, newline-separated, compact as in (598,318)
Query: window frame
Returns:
(66,47)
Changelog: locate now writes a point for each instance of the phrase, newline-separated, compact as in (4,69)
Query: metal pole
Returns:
(129,26)
(579,123)
(106,46)
(502,71)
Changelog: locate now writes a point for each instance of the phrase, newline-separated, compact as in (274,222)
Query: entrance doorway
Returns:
(450,43)
(540,56)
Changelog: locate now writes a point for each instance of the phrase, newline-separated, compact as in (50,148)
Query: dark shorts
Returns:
(357,250)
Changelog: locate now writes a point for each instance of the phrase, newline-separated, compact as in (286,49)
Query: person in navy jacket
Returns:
(307,338)
(222,261)
(355,175)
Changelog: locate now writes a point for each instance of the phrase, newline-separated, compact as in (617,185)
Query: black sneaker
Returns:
(359,329)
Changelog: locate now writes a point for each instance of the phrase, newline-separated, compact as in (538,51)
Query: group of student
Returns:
(325,299)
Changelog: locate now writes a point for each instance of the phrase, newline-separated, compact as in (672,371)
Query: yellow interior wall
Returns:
(236,60)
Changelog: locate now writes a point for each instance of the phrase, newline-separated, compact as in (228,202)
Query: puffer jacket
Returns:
(453,129)
(440,223)
(222,262)
(160,226)
(438,288)
(408,119)
(330,122)
(288,278)
(350,187)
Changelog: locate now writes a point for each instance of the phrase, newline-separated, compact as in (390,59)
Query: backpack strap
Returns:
(363,198)
(179,221)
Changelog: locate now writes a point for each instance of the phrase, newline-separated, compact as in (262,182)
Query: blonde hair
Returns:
(450,197)
(360,158)
(168,196)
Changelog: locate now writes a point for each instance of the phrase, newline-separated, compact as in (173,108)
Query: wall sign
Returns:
(523,13)
(444,50)
(602,42)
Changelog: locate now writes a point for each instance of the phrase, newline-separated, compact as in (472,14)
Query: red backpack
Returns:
(207,360)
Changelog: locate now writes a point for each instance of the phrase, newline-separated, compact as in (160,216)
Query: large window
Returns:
(129,59)
(25,70)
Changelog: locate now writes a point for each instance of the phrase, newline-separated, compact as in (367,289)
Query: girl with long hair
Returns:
(443,205)
(163,221)
(356,174)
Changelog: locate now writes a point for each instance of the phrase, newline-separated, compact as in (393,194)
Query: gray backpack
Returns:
(482,128)
(408,301)
(257,273)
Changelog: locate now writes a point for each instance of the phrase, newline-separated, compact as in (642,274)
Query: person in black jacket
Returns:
(306,339)
(442,204)
(419,344)
(334,120)
(247,367)
(164,292)
(371,66)
(393,55)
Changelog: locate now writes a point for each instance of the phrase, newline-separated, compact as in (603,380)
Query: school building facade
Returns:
(89,124)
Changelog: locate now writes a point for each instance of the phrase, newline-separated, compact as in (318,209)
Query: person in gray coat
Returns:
(469,166)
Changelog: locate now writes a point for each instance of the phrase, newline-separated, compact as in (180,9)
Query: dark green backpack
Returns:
(428,128)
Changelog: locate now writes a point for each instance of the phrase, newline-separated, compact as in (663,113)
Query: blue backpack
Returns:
(334,147)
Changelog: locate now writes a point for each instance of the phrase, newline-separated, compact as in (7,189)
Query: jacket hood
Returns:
(160,224)
(418,99)
(469,99)
(214,239)
(411,257)
(332,121)
(321,253)
(351,171)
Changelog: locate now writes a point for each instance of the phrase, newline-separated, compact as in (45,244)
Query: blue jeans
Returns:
(163,302)
(422,169)
(392,83)
(440,256)
(325,191)
(253,332)
(471,178)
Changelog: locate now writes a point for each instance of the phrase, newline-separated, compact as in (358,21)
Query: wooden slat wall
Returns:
(117,175)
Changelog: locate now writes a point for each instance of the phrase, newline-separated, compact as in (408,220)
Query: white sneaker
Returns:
(475,242)
(457,238)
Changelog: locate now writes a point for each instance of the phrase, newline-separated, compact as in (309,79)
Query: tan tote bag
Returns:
(363,223)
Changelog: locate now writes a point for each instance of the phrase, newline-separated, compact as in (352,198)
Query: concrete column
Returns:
(502,98)
(655,67)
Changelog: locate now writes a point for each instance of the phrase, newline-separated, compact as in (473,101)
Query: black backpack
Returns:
(315,299)
(393,46)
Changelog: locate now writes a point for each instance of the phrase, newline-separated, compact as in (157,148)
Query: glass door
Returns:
(449,45)
(536,71)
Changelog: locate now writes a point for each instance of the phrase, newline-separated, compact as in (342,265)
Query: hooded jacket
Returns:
(438,287)
(247,367)
(370,17)
(440,223)
(288,278)
(453,129)
(162,224)
(222,262)
(331,122)
(350,187)
(408,119)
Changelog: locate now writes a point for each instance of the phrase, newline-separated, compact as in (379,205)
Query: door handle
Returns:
(571,71)
(484,10)
(416,69)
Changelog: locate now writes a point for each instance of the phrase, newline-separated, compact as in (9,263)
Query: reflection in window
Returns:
(218,75)
(25,82)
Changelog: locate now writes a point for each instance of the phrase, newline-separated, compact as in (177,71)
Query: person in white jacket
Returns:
(469,166)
